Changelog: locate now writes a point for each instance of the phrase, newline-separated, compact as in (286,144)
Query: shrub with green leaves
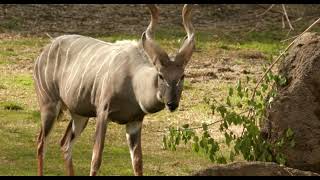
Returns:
(243,107)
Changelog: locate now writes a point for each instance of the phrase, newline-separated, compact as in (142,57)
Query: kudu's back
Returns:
(76,70)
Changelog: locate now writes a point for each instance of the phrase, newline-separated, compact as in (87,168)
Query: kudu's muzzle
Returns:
(172,106)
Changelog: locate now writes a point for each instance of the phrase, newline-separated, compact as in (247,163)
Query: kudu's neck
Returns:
(145,89)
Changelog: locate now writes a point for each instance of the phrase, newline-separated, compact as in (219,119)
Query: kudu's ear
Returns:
(157,56)
(188,46)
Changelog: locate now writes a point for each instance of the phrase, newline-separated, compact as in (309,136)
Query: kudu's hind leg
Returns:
(133,134)
(74,129)
(49,113)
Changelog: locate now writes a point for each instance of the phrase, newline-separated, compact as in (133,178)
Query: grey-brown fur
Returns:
(120,82)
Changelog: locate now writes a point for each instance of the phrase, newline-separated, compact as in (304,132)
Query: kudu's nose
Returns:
(172,105)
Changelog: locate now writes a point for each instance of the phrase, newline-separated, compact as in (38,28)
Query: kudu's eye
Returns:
(182,77)
(160,76)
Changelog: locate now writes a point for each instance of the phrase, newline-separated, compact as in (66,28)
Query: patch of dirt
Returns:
(57,19)
(252,55)
(253,169)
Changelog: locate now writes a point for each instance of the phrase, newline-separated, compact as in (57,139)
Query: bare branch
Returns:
(283,24)
(273,10)
(289,38)
(286,15)
(49,35)
(266,10)
(198,127)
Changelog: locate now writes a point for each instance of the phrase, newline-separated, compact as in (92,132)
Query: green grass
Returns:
(19,50)
(11,106)
(18,146)
(171,39)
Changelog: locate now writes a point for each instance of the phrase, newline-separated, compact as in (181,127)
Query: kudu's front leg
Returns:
(101,129)
(133,133)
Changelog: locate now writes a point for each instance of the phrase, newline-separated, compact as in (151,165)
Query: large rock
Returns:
(297,105)
(252,169)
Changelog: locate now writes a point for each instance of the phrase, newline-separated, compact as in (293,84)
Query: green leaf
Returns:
(258,93)
(239,105)
(225,125)
(201,143)
(239,87)
(210,141)
(280,159)
(289,133)
(222,110)
(204,126)
(221,160)
(196,139)
(240,94)
(212,109)
(264,87)
(247,79)
(228,101)
(292,143)
(230,91)
(211,157)
(177,141)
(246,92)
(282,81)
(164,142)
(228,138)
(185,126)
(195,147)
(232,155)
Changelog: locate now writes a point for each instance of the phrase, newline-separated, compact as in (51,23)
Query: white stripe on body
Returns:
(95,78)
(67,54)
(106,74)
(72,69)
(36,79)
(85,70)
(39,78)
(78,57)
(74,74)
(48,56)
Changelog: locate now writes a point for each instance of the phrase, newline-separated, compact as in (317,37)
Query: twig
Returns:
(278,58)
(273,10)
(286,15)
(198,127)
(288,33)
(289,38)
(283,24)
(49,35)
(266,10)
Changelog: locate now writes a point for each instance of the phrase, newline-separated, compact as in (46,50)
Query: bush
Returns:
(243,107)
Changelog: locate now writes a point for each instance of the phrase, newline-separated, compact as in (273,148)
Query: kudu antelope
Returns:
(119,82)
